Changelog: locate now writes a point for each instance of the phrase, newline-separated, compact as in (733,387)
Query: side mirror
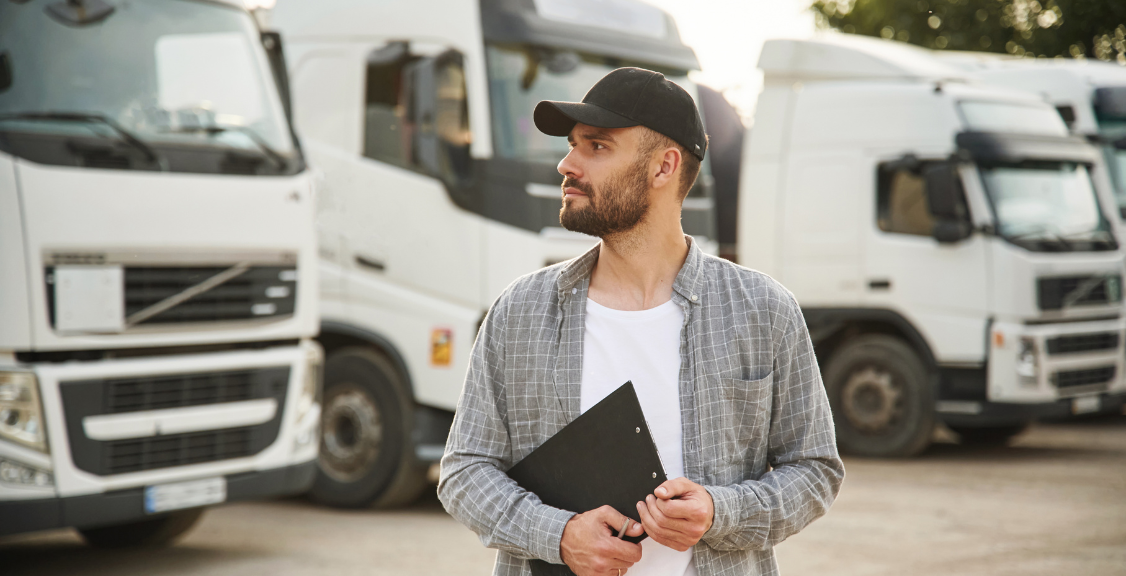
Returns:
(440,116)
(272,43)
(946,201)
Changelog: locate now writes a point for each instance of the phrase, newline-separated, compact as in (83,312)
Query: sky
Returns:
(727,36)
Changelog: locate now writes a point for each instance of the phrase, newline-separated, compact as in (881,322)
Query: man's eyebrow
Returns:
(594,135)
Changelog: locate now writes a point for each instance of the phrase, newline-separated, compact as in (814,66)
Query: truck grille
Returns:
(1053,293)
(123,456)
(259,292)
(1078,381)
(161,392)
(1083,343)
(122,395)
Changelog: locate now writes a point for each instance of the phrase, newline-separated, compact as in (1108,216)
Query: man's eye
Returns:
(598,146)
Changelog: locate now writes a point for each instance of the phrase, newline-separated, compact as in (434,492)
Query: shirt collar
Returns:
(688,283)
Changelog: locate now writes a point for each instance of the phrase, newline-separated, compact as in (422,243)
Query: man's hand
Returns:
(677,514)
(591,548)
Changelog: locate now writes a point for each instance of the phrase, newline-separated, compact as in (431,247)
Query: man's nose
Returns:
(569,167)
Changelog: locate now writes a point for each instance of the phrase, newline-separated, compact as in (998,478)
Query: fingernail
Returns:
(661,490)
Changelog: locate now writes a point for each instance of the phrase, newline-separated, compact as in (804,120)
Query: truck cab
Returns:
(945,240)
(1091,98)
(438,192)
(158,269)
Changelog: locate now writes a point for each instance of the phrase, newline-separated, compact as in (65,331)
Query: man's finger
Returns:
(683,509)
(660,534)
(624,551)
(663,520)
(650,525)
(611,518)
(673,488)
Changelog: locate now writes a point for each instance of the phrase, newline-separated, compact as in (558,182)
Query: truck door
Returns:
(930,268)
(415,144)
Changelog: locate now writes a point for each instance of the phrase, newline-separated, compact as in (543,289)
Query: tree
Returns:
(1047,28)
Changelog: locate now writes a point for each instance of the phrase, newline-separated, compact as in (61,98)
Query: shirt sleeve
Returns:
(473,486)
(806,472)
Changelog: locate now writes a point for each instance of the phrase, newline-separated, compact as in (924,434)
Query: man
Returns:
(719,356)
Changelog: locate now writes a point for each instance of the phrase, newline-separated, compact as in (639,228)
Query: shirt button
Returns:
(695,297)
(574,290)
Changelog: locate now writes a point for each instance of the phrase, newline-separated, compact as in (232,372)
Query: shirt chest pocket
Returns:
(745,416)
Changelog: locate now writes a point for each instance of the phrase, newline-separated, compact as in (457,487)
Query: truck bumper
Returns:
(971,413)
(124,506)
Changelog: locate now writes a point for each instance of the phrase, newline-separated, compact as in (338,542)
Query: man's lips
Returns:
(572,192)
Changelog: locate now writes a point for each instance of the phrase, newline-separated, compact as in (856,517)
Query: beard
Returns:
(617,206)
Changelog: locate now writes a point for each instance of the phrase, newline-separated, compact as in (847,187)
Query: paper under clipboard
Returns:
(605,456)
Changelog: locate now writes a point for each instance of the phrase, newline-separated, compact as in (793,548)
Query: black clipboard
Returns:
(605,456)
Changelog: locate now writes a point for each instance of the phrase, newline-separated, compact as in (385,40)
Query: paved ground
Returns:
(1052,503)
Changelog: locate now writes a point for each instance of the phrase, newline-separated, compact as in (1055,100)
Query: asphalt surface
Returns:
(1053,502)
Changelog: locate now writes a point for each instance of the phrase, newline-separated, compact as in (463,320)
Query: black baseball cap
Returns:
(630,97)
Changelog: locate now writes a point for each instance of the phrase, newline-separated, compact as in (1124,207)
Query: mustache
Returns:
(583,187)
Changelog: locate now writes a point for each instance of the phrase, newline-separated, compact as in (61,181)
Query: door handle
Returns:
(370,263)
(881,284)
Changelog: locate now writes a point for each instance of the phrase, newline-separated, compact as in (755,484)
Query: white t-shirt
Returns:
(642,347)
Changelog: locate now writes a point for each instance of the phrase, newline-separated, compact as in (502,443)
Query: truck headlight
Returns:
(1028,366)
(21,416)
(311,387)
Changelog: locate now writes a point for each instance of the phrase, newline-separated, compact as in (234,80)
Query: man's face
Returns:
(605,184)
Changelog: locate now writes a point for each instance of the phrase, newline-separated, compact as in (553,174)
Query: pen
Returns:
(622,532)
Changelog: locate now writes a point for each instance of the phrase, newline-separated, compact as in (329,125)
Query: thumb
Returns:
(635,529)
(673,488)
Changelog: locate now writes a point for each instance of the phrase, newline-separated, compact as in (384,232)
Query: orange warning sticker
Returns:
(441,346)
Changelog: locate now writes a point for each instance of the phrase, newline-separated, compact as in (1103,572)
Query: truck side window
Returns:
(416,113)
(902,203)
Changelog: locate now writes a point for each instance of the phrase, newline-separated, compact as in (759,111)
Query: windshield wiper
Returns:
(91,118)
(1042,234)
(274,156)
(1090,236)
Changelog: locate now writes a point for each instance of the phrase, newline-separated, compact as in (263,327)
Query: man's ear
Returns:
(667,171)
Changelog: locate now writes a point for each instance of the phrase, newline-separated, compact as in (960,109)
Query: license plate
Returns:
(1085,405)
(165,497)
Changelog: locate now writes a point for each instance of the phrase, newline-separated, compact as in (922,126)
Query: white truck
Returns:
(438,192)
(158,269)
(1089,95)
(944,239)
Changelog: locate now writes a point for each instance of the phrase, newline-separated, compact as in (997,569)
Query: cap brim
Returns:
(558,118)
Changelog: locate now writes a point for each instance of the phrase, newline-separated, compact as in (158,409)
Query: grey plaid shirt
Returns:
(758,434)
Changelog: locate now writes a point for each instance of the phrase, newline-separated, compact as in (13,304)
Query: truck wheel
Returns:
(150,533)
(366,454)
(990,436)
(881,397)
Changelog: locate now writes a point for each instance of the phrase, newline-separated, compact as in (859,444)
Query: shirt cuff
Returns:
(725,515)
(547,533)
(733,526)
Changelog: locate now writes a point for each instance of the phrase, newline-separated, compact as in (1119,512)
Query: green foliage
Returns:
(1049,28)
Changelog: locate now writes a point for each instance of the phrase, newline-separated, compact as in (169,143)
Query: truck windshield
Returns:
(1113,136)
(1047,206)
(187,80)
(521,76)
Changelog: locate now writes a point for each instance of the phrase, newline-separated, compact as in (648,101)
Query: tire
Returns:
(990,436)
(366,453)
(881,396)
(152,533)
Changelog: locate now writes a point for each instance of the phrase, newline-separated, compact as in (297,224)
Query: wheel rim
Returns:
(353,433)
(872,400)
